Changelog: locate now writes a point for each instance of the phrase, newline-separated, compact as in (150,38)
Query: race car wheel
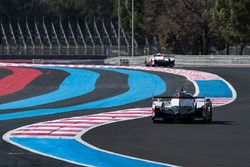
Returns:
(166,65)
(155,121)
(171,65)
(210,117)
(155,115)
(207,114)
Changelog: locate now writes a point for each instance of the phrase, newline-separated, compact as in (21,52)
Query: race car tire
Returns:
(171,65)
(155,120)
(210,117)
(207,117)
(155,116)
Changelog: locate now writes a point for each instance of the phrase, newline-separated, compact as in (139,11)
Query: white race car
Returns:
(182,106)
(160,60)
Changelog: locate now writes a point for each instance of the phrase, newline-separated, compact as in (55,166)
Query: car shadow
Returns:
(195,122)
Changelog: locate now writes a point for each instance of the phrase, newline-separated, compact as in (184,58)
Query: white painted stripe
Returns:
(189,74)
(60,132)
(32,132)
(55,127)
(41,128)
(107,117)
(49,126)
(66,128)
(41,136)
(125,115)
(83,120)
(132,111)
(101,118)
(66,125)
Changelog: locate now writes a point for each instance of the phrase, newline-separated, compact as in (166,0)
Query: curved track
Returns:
(187,145)
(225,142)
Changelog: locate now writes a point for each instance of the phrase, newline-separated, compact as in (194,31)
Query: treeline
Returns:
(193,26)
(88,9)
(187,26)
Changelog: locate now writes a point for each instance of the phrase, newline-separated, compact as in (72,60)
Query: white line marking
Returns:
(121,116)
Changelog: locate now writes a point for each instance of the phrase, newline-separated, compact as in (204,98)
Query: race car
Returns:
(182,105)
(160,60)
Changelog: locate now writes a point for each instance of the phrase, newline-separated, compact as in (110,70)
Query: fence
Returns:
(66,36)
(74,36)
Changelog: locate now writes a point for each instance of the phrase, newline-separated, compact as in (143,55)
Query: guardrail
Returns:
(188,60)
(212,60)
(125,60)
(54,59)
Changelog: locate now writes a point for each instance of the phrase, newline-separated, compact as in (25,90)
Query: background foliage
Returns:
(187,26)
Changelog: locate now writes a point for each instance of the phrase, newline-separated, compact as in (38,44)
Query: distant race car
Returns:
(182,106)
(160,60)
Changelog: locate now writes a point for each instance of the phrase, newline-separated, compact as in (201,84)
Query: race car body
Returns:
(160,60)
(182,106)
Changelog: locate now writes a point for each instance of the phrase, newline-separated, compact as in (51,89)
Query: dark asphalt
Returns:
(13,156)
(4,72)
(105,87)
(47,82)
(225,142)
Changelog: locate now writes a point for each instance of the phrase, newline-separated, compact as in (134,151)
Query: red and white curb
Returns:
(217,102)
(70,127)
(75,127)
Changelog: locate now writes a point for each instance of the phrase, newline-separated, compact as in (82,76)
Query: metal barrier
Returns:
(189,60)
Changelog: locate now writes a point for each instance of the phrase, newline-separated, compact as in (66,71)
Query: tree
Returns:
(126,14)
(182,24)
(98,9)
(21,7)
(88,8)
(231,20)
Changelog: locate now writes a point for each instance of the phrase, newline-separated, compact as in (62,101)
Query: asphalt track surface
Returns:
(41,85)
(225,142)
(4,73)
(104,88)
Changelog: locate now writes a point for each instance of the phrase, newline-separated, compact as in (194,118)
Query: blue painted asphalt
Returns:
(78,83)
(142,85)
(214,88)
(72,150)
